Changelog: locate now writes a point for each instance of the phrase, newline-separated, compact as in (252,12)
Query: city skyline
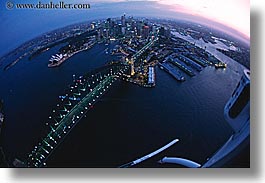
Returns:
(45,21)
(226,12)
(143,81)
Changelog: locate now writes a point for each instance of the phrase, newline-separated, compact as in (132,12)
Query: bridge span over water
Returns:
(74,104)
(72,107)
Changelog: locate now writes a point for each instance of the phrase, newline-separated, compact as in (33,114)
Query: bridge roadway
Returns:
(59,129)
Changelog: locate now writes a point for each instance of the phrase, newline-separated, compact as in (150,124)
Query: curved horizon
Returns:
(227,12)
(32,23)
(234,14)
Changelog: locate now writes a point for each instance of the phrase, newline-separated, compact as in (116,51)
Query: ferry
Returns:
(220,65)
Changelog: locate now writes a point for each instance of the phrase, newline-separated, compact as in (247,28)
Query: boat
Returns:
(220,65)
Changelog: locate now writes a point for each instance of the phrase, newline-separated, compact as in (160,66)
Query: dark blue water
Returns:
(127,123)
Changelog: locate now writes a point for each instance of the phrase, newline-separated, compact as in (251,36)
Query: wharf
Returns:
(182,67)
(173,72)
(198,60)
(190,62)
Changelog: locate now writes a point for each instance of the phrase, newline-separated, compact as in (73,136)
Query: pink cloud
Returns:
(232,13)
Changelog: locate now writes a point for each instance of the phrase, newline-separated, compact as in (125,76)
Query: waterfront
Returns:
(136,120)
(141,120)
(128,121)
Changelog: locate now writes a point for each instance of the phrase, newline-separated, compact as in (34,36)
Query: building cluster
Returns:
(124,27)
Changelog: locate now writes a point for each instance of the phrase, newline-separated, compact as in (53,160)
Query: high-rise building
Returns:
(132,68)
(139,27)
(154,28)
(100,33)
(163,31)
(123,20)
(106,33)
(92,26)
(145,31)
(123,30)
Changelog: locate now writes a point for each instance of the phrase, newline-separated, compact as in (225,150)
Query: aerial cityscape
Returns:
(126,91)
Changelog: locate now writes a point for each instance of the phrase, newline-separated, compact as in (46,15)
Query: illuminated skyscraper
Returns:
(145,31)
(123,20)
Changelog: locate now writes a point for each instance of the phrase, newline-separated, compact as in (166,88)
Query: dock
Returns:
(172,71)
(177,63)
(190,62)
(198,60)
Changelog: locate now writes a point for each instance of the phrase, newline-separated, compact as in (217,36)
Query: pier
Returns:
(182,67)
(190,62)
(198,60)
(172,71)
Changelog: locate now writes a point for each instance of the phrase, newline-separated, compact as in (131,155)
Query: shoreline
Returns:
(69,56)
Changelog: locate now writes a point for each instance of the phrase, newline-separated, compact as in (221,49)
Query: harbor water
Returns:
(127,122)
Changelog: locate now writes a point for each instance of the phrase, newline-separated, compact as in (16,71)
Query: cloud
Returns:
(235,13)
(227,12)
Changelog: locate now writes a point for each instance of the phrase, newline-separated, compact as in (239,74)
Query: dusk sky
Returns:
(18,26)
(232,13)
